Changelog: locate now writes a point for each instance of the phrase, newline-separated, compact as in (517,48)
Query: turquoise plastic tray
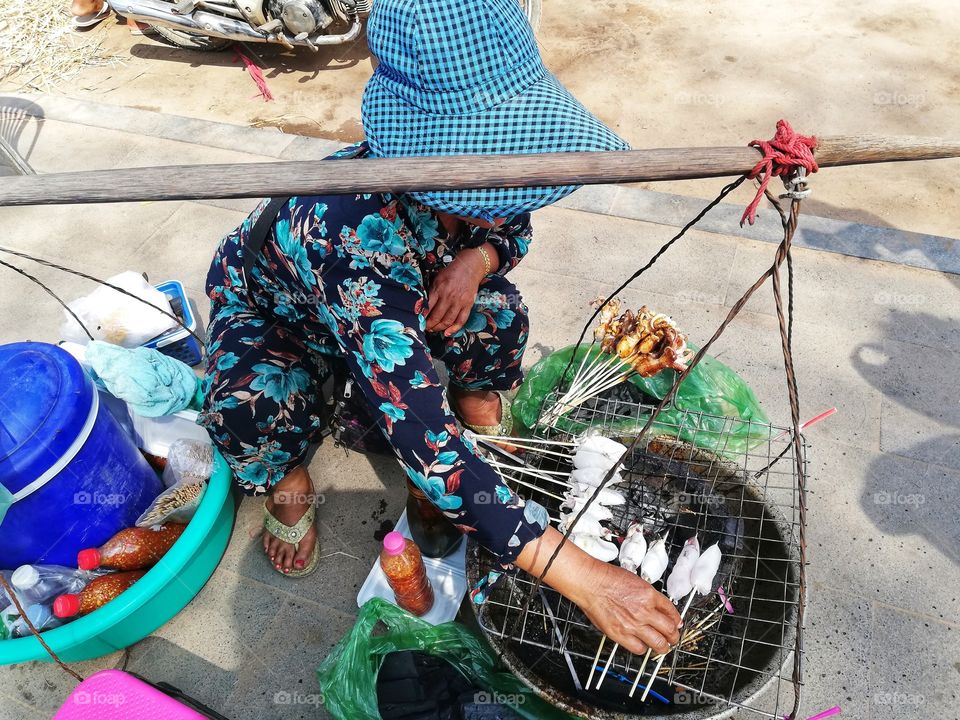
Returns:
(159,595)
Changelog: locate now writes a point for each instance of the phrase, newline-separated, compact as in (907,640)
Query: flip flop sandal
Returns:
(91,19)
(293,534)
(505,426)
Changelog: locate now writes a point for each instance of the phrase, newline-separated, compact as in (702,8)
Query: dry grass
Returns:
(39,48)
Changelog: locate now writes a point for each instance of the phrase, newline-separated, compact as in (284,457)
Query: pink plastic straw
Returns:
(812,421)
(723,596)
(835,710)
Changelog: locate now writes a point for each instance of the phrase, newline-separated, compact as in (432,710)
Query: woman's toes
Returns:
(302,555)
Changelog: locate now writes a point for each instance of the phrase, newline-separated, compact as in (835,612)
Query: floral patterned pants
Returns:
(270,338)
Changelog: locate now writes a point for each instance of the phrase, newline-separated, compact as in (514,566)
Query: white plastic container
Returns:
(447,575)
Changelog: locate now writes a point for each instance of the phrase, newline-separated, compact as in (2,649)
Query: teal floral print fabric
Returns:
(348,277)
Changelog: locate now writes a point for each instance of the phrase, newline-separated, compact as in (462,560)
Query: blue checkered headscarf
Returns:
(462,77)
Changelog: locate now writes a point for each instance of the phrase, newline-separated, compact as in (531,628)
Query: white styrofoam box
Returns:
(448,576)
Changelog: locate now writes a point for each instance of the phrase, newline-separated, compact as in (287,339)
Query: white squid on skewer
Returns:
(606,497)
(679,582)
(594,510)
(610,449)
(633,553)
(593,476)
(598,548)
(705,569)
(585,526)
(655,561)
(634,548)
(702,573)
(651,569)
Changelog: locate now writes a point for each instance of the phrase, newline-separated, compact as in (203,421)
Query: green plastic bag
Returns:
(733,421)
(348,676)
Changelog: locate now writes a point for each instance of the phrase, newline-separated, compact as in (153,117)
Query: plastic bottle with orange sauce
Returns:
(131,549)
(96,594)
(402,563)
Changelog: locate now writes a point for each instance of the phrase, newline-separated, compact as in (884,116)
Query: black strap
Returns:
(258,234)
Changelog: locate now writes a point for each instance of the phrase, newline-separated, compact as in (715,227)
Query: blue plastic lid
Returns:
(45,401)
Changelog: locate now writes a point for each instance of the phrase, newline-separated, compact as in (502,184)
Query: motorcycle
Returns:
(217,24)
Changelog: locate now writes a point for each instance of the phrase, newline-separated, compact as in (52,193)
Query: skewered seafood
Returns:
(634,548)
(593,476)
(611,449)
(606,497)
(705,569)
(585,526)
(594,510)
(598,548)
(679,583)
(655,561)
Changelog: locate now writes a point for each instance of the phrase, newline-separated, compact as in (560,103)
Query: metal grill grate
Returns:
(727,480)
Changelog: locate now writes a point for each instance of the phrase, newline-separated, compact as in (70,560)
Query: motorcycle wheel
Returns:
(533,9)
(184,39)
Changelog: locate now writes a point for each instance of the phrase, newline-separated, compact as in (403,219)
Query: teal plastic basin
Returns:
(159,595)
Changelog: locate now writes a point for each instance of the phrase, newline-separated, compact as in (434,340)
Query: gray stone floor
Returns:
(877,340)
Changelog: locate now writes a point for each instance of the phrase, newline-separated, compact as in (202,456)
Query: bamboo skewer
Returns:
(457,172)
(661,658)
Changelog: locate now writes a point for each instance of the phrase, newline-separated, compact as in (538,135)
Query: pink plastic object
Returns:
(115,695)
(394,543)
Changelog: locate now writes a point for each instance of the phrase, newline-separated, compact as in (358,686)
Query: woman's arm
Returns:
(625,608)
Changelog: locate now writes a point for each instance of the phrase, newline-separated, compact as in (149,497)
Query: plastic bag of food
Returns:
(188,461)
(711,388)
(116,318)
(348,676)
(176,504)
(189,466)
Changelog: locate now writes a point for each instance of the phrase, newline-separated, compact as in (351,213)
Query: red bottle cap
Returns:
(88,559)
(66,605)
(394,543)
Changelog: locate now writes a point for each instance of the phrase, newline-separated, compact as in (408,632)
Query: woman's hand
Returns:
(454,290)
(625,608)
(629,611)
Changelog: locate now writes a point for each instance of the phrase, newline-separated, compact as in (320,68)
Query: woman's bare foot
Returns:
(478,407)
(287,502)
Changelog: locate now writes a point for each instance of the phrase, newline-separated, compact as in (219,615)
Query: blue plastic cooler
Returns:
(76,478)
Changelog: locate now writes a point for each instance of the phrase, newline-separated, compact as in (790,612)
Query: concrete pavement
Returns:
(876,339)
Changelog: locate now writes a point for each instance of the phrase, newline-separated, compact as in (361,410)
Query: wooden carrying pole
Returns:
(254,180)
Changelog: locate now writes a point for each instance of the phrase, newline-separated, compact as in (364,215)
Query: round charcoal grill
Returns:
(744,499)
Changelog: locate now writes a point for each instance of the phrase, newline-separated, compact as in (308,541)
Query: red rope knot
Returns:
(786,152)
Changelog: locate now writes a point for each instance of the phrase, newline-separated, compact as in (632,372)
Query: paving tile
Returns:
(575,246)
(44,686)
(913,666)
(838,643)
(158,660)
(281,682)
(877,530)
(182,247)
(224,622)
(362,497)
(908,304)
